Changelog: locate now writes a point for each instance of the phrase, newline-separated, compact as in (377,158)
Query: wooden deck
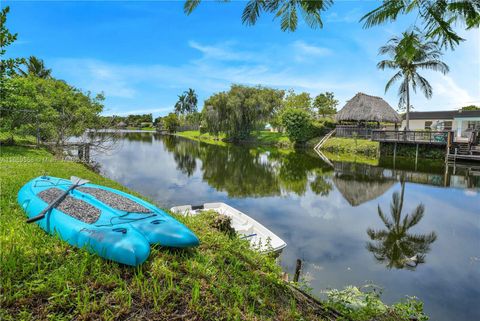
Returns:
(468,150)
(411,137)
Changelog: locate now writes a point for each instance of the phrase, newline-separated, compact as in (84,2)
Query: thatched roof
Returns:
(359,183)
(364,107)
(357,192)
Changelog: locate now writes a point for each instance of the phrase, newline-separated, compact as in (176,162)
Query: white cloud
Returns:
(305,51)
(303,66)
(141,110)
(451,92)
(95,76)
(221,52)
(352,16)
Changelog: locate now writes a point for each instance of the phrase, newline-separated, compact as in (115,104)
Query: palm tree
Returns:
(286,10)
(395,245)
(187,102)
(180,104)
(437,17)
(191,101)
(36,67)
(409,54)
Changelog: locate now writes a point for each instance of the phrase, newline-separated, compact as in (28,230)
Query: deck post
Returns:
(416,157)
(298,268)
(38,131)
(394,150)
(87,152)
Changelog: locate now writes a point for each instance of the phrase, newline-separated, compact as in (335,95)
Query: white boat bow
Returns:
(259,236)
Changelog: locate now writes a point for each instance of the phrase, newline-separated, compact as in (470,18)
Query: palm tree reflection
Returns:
(394,246)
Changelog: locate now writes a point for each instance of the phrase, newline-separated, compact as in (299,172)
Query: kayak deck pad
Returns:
(114,200)
(74,207)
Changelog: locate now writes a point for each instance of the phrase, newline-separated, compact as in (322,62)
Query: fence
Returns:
(353,131)
(421,137)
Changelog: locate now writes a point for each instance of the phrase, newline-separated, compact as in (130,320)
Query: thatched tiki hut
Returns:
(364,112)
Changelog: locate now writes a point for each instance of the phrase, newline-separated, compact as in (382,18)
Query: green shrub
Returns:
(203,129)
(321,128)
(297,124)
(171,122)
(360,305)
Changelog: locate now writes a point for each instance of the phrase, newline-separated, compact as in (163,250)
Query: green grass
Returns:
(259,138)
(349,158)
(5,137)
(206,138)
(44,278)
(351,146)
(148,128)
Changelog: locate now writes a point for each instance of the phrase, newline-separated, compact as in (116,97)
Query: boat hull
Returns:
(260,238)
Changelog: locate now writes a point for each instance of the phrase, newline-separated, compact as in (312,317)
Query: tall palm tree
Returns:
(408,54)
(180,104)
(36,67)
(395,245)
(191,101)
(187,102)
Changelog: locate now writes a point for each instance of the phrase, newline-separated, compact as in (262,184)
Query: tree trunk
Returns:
(407,117)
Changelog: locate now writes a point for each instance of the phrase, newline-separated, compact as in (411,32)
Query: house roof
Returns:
(447,114)
(467,113)
(363,107)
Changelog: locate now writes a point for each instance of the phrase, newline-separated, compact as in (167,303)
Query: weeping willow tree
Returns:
(240,110)
(396,246)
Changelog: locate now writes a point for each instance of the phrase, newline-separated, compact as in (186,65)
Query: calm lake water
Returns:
(329,215)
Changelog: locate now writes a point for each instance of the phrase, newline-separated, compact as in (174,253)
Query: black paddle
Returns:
(76,182)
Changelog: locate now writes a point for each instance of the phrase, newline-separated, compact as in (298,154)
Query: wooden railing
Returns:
(353,131)
(420,137)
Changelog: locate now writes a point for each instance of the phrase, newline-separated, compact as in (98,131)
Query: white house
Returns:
(461,122)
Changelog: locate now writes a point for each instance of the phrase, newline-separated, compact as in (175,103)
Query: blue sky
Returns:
(143,54)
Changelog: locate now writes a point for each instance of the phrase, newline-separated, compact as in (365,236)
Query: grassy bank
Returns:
(351,146)
(206,138)
(259,138)
(8,138)
(44,278)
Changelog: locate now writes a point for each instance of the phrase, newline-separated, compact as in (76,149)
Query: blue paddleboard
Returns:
(113,224)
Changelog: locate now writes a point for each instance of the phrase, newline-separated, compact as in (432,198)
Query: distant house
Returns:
(462,122)
(121,124)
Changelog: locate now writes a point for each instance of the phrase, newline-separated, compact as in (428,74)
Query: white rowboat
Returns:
(259,236)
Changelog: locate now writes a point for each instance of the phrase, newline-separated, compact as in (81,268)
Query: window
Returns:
(428,125)
(472,125)
(447,125)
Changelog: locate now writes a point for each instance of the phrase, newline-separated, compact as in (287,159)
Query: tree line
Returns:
(33,102)
(418,48)
(243,109)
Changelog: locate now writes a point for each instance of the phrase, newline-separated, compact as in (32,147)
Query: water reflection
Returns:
(324,211)
(360,183)
(395,246)
(243,172)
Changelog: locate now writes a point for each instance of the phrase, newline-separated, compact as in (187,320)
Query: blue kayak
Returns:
(113,224)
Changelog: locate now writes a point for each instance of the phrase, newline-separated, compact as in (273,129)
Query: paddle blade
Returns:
(78,181)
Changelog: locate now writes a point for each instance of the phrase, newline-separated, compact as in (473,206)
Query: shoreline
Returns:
(189,268)
(222,278)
